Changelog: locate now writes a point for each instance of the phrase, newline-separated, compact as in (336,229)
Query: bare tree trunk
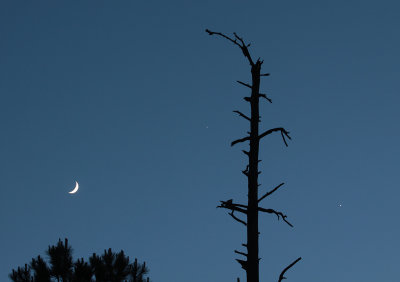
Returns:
(251,210)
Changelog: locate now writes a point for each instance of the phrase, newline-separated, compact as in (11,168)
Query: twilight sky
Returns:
(134,100)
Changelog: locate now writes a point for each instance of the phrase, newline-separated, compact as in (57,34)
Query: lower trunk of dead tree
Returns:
(252,271)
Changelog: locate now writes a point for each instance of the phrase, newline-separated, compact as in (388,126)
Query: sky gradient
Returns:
(134,100)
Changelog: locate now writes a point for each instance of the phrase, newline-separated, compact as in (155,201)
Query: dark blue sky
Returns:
(134,100)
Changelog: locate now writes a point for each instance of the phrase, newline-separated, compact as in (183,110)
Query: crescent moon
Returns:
(75,189)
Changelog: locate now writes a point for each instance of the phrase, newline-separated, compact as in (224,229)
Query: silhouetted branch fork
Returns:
(265,97)
(270,192)
(245,50)
(239,205)
(245,84)
(246,171)
(259,94)
(237,219)
(283,134)
(245,152)
(240,39)
(243,263)
(224,36)
(242,46)
(242,115)
(281,276)
(240,253)
(278,214)
(240,140)
(281,129)
(233,207)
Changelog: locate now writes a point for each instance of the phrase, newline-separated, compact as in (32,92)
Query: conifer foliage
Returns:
(110,267)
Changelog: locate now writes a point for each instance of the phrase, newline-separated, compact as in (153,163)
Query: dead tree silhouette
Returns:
(252,209)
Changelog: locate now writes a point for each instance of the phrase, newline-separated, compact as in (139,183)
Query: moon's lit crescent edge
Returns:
(75,189)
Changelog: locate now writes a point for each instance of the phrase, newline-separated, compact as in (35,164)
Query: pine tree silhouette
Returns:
(82,271)
(21,274)
(109,267)
(60,261)
(40,269)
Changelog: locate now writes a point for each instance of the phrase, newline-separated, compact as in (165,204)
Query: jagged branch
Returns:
(247,99)
(265,97)
(281,129)
(242,45)
(243,263)
(239,205)
(242,115)
(233,207)
(246,171)
(245,84)
(283,134)
(278,214)
(240,253)
(245,51)
(281,276)
(237,219)
(270,192)
(259,94)
(240,140)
